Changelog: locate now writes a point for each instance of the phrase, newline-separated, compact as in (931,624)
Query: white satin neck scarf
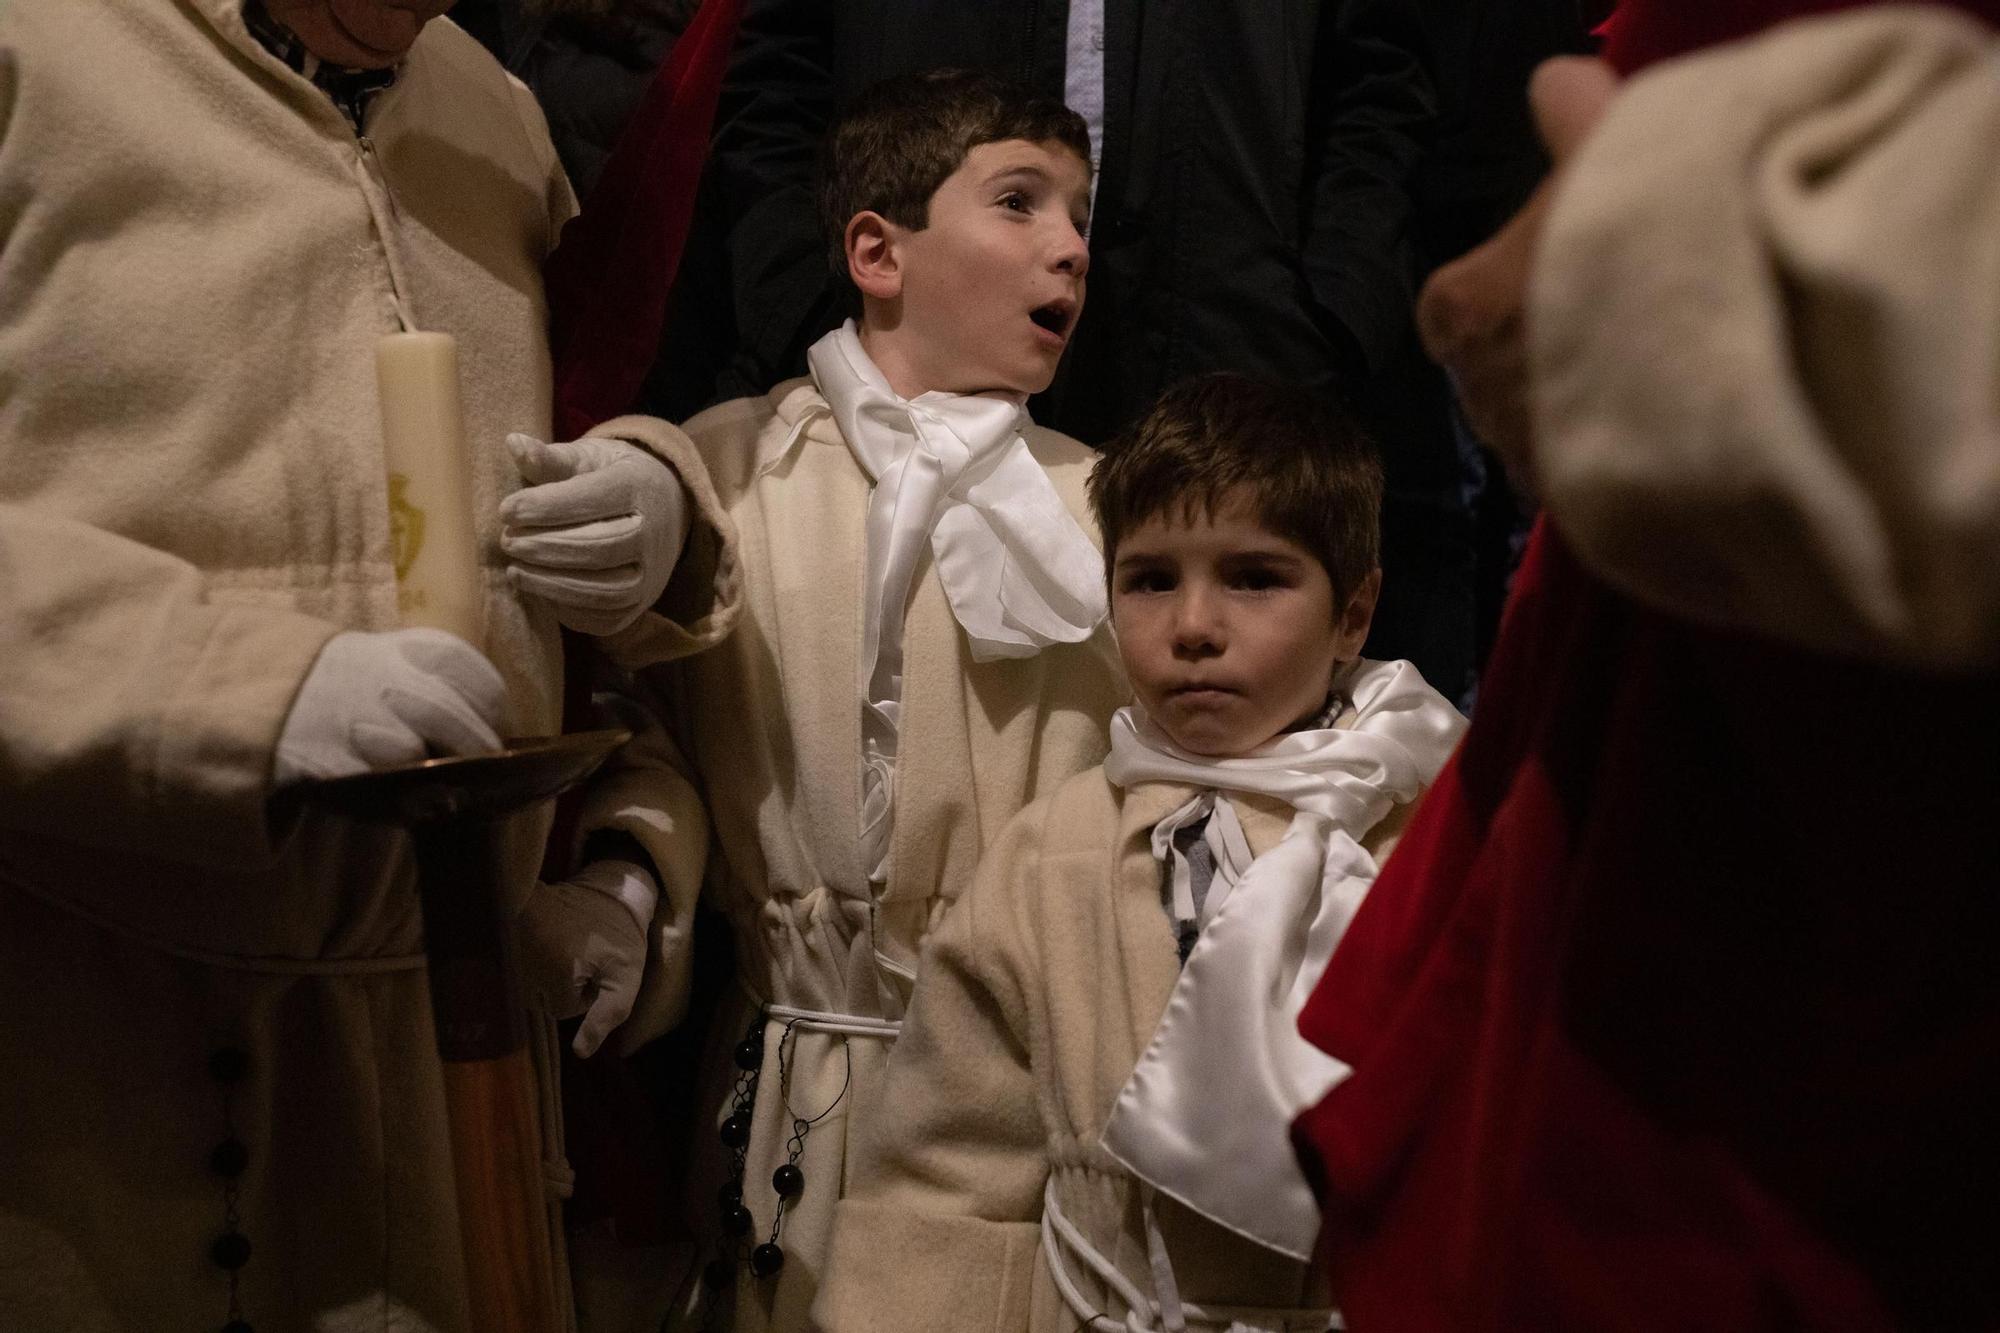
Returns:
(1206,1115)
(953,471)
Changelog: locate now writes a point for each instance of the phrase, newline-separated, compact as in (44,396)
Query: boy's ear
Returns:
(1352,624)
(874,255)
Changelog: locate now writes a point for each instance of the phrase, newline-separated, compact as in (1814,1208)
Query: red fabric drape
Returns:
(1636,35)
(1678,1006)
(611,273)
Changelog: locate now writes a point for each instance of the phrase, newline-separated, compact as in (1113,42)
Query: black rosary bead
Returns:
(229,1159)
(766,1260)
(231,1250)
(228,1065)
(788,1180)
(730,1194)
(735,1131)
(737,1221)
(750,1053)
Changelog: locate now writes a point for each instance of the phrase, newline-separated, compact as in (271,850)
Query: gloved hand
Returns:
(596,531)
(377,700)
(583,945)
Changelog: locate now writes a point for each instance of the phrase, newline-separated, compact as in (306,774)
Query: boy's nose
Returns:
(1197,625)
(1072,253)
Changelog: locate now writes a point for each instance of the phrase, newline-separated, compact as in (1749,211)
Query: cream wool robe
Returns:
(1040,991)
(196,258)
(772,723)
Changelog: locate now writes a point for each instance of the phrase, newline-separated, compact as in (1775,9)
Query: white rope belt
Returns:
(846,1025)
(1146,1315)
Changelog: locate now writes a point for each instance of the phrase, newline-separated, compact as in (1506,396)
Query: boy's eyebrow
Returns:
(1263,553)
(1038,174)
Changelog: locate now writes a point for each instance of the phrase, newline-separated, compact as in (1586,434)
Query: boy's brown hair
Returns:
(900,139)
(1310,472)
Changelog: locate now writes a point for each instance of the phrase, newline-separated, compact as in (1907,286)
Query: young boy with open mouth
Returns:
(922,652)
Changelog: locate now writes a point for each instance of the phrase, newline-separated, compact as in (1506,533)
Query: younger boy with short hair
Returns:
(922,650)
(1086,1122)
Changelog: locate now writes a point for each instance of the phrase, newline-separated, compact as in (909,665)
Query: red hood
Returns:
(1637,34)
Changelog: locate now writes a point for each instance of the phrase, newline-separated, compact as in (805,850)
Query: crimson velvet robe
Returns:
(1679,1005)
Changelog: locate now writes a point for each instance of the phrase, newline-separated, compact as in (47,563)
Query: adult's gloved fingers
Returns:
(596,590)
(318,762)
(385,744)
(540,462)
(445,719)
(605,493)
(595,545)
(346,719)
(582,619)
(561,592)
(451,662)
(612,1006)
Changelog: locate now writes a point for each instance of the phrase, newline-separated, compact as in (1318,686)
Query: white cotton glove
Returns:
(583,945)
(596,531)
(377,700)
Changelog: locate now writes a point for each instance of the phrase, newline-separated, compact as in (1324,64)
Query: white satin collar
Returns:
(1206,1114)
(951,472)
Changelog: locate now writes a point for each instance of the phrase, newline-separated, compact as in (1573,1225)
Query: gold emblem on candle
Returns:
(406,526)
(433,540)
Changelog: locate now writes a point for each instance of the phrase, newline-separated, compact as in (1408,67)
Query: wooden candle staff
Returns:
(457,810)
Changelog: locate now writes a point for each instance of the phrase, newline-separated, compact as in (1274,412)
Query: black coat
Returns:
(1251,214)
